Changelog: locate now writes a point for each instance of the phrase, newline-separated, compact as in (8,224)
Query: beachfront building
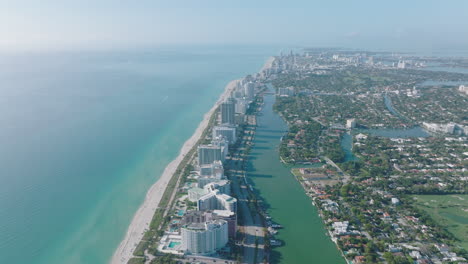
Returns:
(449,128)
(223,144)
(209,173)
(401,64)
(228,111)
(249,89)
(227,131)
(194,216)
(194,194)
(205,216)
(207,154)
(202,181)
(241,106)
(224,186)
(215,200)
(228,216)
(237,94)
(226,202)
(204,238)
(214,169)
(207,202)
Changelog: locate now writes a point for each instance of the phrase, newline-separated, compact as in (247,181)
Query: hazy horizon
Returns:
(72,25)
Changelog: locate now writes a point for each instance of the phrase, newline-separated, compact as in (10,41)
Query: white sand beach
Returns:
(268,64)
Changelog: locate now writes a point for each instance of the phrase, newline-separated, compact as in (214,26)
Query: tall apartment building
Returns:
(207,154)
(228,111)
(226,131)
(204,238)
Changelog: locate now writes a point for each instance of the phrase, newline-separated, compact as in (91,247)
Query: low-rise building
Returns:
(286,92)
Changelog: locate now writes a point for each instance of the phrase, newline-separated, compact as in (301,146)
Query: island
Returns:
(377,141)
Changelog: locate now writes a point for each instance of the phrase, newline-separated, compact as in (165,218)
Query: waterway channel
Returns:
(304,235)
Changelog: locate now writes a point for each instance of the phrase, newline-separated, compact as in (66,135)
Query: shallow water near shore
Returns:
(84,135)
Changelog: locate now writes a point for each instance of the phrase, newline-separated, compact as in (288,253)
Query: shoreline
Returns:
(143,216)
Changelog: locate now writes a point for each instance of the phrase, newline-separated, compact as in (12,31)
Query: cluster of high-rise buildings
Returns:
(208,228)
(449,128)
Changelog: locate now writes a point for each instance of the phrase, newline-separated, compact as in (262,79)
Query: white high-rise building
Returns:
(194,194)
(207,202)
(249,91)
(224,187)
(463,89)
(450,128)
(207,154)
(237,94)
(228,111)
(215,200)
(226,202)
(214,170)
(241,106)
(226,131)
(202,181)
(223,144)
(351,123)
(401,64)
(204,238)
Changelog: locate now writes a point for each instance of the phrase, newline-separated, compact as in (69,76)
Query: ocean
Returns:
(83,135)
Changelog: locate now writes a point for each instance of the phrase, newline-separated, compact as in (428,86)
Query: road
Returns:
(346,177)
(251,227)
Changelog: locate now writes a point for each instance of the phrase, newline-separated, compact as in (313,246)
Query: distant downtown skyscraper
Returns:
(228,111)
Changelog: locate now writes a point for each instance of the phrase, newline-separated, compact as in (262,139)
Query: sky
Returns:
(104,24)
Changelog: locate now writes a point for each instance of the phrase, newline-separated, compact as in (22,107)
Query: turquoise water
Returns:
(84,135)
(397,133)
(347,139)
(446,69)
(388,103)
(173,244)
(181,213)
(347,146)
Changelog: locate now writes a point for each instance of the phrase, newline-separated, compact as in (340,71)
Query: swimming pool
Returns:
(181,212)
(173,244)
